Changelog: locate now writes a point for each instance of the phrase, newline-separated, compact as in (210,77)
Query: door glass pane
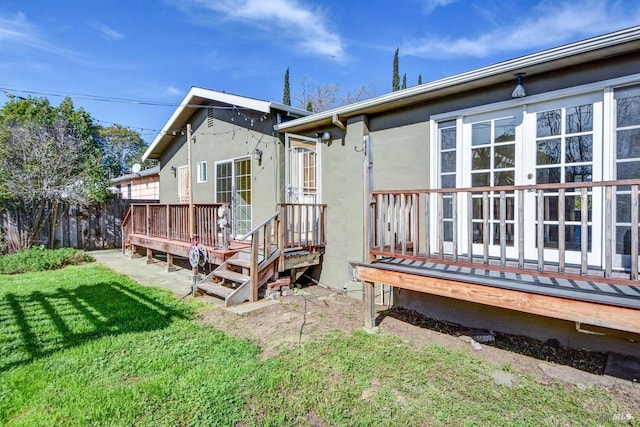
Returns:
(505,156)
(548,123)
(549,151)
(627,101)
(448,138)
(481,133)
(579,119)
(481,158)
(628,143)
(627,106)
(223,182)
(505,130)
(243,196)
(579,149)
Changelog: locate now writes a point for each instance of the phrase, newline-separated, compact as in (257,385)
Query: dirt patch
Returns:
(314,312)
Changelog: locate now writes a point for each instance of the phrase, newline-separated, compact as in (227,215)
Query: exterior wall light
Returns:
(257,154)
(519,91)
(173,171)
(323,136)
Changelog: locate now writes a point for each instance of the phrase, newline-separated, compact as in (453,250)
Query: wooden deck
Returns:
(294,236)
(483,257)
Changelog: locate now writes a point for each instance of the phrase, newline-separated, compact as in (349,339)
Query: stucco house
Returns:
(503,198)
(143,185)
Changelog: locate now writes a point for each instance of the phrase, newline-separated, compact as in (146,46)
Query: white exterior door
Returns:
(551,142)
(233,186)
(302,170)
(565,139)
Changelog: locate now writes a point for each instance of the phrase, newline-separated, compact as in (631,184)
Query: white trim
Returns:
(287,163)
(547,96)
(237,101)
(200,167)
(470,77)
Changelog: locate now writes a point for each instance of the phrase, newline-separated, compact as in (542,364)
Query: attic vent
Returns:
(210,117)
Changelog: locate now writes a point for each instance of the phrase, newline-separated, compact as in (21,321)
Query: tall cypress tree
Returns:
(404,81)
(286,96)
(419,79)
(395,84)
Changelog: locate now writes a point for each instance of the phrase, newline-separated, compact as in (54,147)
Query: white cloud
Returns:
(18,35)
(173,91)
(108,32)
(17,31)
(548,24)
(305,26)
(430,5)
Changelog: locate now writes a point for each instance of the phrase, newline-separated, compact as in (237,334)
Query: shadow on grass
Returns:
(38,324)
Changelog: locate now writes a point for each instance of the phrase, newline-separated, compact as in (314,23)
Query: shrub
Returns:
(39,259)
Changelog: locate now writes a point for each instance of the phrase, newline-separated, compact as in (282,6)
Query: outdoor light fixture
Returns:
(323,136)
(173,170)
(257,154)
(519,91)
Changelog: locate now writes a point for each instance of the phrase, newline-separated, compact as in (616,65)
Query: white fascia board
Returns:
(289,109)
(198,92)
(513,65)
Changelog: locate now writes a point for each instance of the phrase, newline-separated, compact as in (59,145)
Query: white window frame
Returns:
(318,150)
(202,172)
(603,160)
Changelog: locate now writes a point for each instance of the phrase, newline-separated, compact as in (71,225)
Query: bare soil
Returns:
(314,312)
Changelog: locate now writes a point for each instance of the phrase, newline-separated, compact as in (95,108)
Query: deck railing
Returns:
(588,228)
(171,222)
(304,225)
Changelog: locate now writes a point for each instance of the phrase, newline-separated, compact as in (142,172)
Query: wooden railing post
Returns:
(584,234)
(561,231)
(255,248)
(540,238)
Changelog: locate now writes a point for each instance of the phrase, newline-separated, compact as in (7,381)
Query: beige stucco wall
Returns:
(224,140)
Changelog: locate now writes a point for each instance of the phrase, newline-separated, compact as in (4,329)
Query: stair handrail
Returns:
(123,234)
(257,228)
(255,248)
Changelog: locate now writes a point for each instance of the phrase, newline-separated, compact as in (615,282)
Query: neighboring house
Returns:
(537,233)
(144,185)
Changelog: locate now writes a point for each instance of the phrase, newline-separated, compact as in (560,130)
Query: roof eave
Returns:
(559,56)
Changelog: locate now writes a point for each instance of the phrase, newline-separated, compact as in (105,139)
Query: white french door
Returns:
(553,142)
(233,186)
(565,139)
(302,169)
(493,158)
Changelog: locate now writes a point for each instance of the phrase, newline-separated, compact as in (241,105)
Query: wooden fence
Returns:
(90,227)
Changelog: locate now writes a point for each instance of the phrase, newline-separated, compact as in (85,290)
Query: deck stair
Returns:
(231,280)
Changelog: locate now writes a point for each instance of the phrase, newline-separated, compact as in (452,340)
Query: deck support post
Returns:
(149,256)
(369,306)
(170,266)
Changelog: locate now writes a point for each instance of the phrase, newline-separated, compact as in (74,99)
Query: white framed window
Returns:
(202,172)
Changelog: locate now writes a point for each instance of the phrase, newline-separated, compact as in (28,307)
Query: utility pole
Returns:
(192,214)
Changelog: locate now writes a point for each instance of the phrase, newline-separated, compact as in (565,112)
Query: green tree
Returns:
(286,96)
(121,147)
(419,79)
(404,81)
(395,83)
(309,106)
(49,157)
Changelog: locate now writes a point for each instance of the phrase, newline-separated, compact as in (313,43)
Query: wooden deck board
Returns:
(477,289)
(585,290)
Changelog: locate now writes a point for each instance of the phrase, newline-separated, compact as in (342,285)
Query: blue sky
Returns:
(155,51)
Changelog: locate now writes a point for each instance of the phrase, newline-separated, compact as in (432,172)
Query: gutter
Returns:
(509,66)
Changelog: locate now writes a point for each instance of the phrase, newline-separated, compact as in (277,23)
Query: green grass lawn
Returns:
(85,346)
